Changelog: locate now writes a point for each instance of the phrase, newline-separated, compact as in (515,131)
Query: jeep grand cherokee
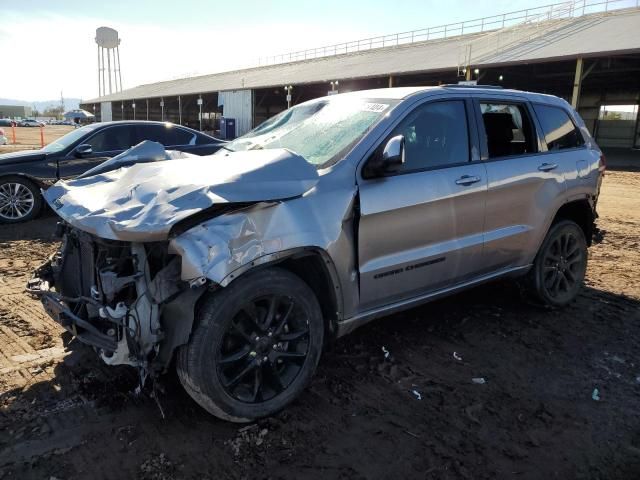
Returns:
(332,213)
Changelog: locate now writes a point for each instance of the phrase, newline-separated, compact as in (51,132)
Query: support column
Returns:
(467,75)
(390,81)
(99,86)
(119,73)
(109,69)
(577,84)
(179,110)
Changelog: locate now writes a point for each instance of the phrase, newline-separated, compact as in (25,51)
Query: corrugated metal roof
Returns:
(601,33)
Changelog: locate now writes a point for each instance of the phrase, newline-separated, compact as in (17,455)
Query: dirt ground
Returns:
(415,414)
(28,138)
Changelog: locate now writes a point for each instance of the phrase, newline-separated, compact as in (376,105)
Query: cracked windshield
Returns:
(320,131)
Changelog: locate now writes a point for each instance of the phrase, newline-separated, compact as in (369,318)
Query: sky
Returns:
(48,46)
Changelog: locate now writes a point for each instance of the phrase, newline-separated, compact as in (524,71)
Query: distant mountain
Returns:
(69,103)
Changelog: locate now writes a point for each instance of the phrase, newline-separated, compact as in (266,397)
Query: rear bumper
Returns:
(57,307)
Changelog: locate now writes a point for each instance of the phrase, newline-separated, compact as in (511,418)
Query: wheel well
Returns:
(22,176)
(581,213)
(312,268)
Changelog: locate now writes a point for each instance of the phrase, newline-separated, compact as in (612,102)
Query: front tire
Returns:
(255,347)
(20,200)
(560,266)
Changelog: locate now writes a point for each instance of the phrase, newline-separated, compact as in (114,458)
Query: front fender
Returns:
(224,247)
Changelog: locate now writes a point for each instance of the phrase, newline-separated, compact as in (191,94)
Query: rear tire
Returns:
(560,266)
(255,347)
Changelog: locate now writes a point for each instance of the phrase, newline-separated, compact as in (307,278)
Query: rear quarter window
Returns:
(204,140)
(167,135)
(558,128)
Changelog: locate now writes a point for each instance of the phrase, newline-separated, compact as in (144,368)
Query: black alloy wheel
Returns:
(263,349)
(255,345)
(561,264)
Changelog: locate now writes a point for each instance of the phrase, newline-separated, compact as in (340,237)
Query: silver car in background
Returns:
(333,213)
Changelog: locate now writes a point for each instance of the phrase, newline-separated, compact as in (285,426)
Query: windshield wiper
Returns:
(226,148)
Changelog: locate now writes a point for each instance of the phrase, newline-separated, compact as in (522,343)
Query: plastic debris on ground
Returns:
(386,352)
(417,394)
(479,380)
(457,357)
(595,395)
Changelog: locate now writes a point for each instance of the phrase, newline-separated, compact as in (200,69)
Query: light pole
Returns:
(122,110)
(133,105)
(288,89)
(162,109)
(200,108)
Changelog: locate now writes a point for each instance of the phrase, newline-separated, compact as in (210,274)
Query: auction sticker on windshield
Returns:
(374,107)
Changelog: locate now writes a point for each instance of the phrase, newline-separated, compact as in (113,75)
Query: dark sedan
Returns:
(23,174)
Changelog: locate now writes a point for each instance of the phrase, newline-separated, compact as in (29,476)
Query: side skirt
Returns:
(350,324)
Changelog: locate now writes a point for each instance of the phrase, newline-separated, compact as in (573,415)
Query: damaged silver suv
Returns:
(337,211)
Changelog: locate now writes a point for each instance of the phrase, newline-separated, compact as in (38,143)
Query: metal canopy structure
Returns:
(79,114)
(555,39)
(585,51)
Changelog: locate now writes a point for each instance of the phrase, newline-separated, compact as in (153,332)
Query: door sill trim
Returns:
(350,324)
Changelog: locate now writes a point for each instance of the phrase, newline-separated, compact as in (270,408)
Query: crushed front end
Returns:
(124,299)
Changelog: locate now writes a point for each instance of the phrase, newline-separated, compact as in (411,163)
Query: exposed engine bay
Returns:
(125,299)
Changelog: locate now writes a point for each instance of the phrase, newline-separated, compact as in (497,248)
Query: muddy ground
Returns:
(415,414)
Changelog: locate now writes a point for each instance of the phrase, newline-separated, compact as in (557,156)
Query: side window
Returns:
(204,140)
(559,130)
(508,128)
(166,135)
(183,137)
(111,139)
(435,134)
(155,133)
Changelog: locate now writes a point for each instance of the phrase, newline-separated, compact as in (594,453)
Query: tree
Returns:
(53,112)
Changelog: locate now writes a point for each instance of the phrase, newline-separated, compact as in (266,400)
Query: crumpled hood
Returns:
(141,202)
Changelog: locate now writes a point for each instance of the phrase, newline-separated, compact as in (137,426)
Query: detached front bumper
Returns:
(57,307)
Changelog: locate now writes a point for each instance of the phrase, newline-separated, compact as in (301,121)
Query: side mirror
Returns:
(83,150)
(393,154)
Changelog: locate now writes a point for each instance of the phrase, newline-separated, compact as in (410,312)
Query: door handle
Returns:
(546,167)
(467,180)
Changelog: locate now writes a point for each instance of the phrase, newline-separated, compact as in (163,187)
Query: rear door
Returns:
(421,228)
(526,186)
(564,144)
(105,143)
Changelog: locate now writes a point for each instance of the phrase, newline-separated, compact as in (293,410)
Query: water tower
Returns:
(109,43)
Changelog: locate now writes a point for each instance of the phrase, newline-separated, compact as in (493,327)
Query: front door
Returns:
(421,229)
(106,143)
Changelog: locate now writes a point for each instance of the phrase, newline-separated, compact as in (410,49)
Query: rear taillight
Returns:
(602,164)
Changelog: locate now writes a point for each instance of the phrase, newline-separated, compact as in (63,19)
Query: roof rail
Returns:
(462,85)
